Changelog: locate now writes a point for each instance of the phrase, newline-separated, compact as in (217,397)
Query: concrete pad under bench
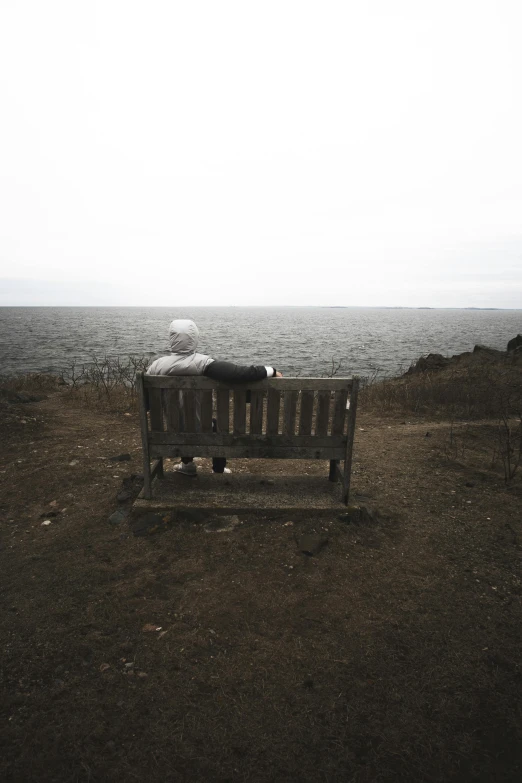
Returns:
(232,493)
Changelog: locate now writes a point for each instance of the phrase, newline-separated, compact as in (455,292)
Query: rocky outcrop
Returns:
(481,354)
(515,344)
(434,361)
(486,349)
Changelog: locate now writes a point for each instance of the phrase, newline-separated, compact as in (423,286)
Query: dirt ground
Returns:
(196,655)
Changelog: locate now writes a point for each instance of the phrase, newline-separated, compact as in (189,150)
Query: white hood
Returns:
(183,336)
(183,339)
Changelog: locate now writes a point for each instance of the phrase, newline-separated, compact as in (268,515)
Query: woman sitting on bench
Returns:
(183,360)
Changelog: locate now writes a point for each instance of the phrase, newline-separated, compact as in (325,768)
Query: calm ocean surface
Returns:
(294,339)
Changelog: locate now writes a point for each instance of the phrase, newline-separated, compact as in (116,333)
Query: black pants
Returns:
(218,463)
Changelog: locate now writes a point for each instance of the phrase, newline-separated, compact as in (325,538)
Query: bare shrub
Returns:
(509,431)
(109,382)
(335,368)
(509,447)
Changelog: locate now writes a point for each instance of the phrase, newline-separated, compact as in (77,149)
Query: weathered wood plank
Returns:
(189,410)
(223,410)
(290,407)
(239,411)
(173,410)
(283,384)
(156,410)
(254,452)
(256,412)
(323,408)
(144,427)
(347,472)
(272,411)
(305,414)
(192,439)
(206,410)
(339,412)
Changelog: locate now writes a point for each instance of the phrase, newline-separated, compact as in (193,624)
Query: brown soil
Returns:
(393,654)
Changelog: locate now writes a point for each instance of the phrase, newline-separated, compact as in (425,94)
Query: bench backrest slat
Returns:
(172,411)
(272,411)
(206,410)
(339,414)
(189,410)
(256,412)
(223,410)
(239,411)
(156,410)
(306,413)
(290,408)
(321,418)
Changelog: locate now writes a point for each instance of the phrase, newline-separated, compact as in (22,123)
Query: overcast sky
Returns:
(198,153)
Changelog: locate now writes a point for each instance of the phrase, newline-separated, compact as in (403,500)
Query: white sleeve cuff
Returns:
(269,372)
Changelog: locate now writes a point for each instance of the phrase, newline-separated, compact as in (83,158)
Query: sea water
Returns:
(296,340)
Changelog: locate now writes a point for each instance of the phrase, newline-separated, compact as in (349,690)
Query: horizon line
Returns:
(227,306)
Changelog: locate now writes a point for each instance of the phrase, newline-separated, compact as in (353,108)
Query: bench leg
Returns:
(157,469)
(347,472)
(332,476)
(149,474)
(345,494)
(344,476)
(143,406)
(147,479)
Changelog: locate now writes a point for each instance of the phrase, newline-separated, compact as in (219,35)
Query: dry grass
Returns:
(474,391)
(32,383)
(474,387)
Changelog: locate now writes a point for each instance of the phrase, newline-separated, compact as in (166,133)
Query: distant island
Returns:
(408,307)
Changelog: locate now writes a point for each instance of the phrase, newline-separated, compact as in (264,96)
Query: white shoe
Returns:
(188,469)
(225,470)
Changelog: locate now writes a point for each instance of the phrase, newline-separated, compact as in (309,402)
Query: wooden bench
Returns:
(285,418)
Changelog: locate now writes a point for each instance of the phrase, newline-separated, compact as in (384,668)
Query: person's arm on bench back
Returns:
(228,372)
